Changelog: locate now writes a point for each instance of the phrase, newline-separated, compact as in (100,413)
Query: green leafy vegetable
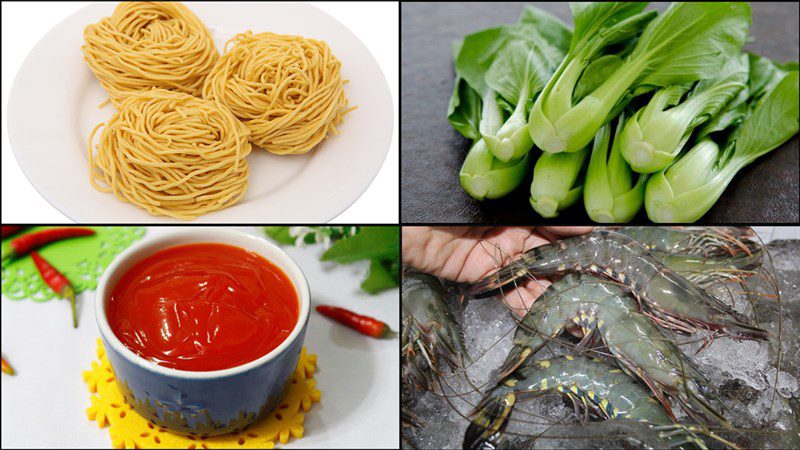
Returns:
(556,184)
(654,136)
(685,191)
(498,73)
(378,244)
(518,73)
(712,111)
(689,42)
(482,175)
(609,193)
(369,243)
(309,235)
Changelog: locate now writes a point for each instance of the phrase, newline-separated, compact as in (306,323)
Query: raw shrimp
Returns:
(704,255)
(698,241)
(668,298)
(429,331)
(592,385)
(602,308)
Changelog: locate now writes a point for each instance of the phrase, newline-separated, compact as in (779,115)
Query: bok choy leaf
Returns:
(689,42)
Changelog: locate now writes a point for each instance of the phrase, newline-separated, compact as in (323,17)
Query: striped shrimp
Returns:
(604,309)
(429,331)
(699,241)
(592,385)
(668,298)
(704,255)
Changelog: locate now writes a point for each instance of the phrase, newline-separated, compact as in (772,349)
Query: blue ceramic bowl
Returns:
(203,403)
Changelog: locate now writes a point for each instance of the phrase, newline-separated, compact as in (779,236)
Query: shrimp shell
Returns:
(664,295)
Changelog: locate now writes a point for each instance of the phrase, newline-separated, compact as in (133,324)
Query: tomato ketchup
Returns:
(202,307)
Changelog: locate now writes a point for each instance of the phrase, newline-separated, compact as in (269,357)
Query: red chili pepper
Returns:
(363,324)
(57,282)
(8,230)
(7,367)
(23,245)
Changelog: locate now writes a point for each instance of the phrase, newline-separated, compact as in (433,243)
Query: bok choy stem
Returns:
(609,193)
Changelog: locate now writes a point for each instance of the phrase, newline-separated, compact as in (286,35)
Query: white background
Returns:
(45,404)
(24,23)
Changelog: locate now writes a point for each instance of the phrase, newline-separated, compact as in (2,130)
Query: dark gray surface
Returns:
(432,152)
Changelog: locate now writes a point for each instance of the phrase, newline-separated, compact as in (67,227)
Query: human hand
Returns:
(467,254)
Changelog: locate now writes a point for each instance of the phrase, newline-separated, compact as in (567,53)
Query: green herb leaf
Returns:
(372,242)
(280,235)
(380,277)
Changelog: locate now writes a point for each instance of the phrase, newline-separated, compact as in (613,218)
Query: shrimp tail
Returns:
(516,357)
(490,418)
(450,345)
(420,366)
(423,356)
(503,279)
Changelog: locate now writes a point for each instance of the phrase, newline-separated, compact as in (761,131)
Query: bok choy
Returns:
(556,182)
(498,73)
(535,47)
(558,177)
(685,191)
(687,43)
(654,136)
(610,196)
(482,175)
(691,109)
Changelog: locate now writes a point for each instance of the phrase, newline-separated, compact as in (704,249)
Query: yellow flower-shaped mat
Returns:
(129,430)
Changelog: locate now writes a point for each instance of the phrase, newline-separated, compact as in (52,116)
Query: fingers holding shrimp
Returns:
(520,299)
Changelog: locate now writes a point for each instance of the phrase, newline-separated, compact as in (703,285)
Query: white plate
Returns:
(53,108)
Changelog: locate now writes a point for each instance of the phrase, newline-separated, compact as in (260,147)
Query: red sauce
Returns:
(203,307)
